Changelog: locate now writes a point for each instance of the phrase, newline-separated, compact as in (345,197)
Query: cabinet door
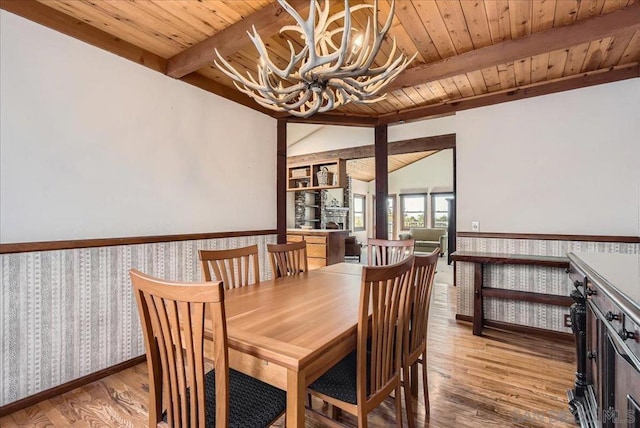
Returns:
(315,239)
(626,389)
(315,263)
(606,401)
(594,352)
(317,250)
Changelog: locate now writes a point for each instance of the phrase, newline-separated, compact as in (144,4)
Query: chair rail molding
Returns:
(22,247)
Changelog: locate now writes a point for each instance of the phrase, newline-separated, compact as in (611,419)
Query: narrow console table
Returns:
(480,291)
(606,323)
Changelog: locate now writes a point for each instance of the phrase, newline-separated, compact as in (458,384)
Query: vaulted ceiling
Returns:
(469,53)
(364,169)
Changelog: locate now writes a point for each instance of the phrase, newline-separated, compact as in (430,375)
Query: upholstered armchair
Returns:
(427,239)
(352,247)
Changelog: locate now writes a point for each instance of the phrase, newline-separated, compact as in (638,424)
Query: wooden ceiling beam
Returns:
(582,80)
(415,145)
(234,38)
(333,119)
(583,31)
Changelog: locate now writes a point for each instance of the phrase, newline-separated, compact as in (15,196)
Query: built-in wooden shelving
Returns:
(304,176)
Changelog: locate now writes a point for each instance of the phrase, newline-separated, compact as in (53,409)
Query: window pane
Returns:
(357,204)
(440,214)
(441,203)
(359,212)
(441,220)
(413,211)
(413,220)
(358,221)
(414,203)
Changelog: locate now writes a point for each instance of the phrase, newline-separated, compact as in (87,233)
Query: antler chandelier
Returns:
(332,69)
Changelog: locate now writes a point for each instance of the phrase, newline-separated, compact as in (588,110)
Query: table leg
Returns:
(296,393)
(478,305)
(414,379)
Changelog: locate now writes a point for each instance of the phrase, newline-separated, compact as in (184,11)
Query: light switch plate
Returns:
(475,226)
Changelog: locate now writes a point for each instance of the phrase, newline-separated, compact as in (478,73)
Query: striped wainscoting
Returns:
(525,278)
(68,313)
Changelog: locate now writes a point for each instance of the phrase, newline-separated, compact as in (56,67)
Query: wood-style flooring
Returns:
(499,380)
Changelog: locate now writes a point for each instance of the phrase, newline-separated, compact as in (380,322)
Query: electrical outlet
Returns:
(475,226)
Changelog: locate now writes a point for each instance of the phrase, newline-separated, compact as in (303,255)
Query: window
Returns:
(391,215)
(359,217)
(440,209)
(414,210)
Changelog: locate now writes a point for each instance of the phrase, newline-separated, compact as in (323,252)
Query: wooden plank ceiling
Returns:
(470,53)
(364,169)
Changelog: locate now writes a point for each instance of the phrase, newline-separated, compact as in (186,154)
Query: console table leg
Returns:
(579,328)
(478,301)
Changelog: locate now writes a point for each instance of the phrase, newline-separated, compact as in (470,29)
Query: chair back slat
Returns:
(235,267)
(383,252)
(288,259)
(173,320)
(419,299)
(384,291)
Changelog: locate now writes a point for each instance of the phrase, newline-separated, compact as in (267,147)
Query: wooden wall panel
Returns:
(73,312)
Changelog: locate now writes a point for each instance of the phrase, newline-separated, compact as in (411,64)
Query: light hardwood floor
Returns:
(499,380)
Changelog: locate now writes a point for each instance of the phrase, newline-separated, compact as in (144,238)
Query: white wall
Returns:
(304,139)
(566,163)
(435,171)
(95,146)
(299,131)
(422,128)
(330,138)
(562,163)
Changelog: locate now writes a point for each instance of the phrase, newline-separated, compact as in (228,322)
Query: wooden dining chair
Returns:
(288,259)
(172,315)
(382,252)
(363,379)
(414,349)
(235,267)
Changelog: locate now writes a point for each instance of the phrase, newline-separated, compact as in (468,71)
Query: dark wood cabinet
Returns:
(606,324)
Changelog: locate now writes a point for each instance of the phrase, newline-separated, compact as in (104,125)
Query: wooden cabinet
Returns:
(606,322)
(324,247)
(305,176)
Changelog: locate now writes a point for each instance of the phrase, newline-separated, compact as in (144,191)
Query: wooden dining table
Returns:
(289,331)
